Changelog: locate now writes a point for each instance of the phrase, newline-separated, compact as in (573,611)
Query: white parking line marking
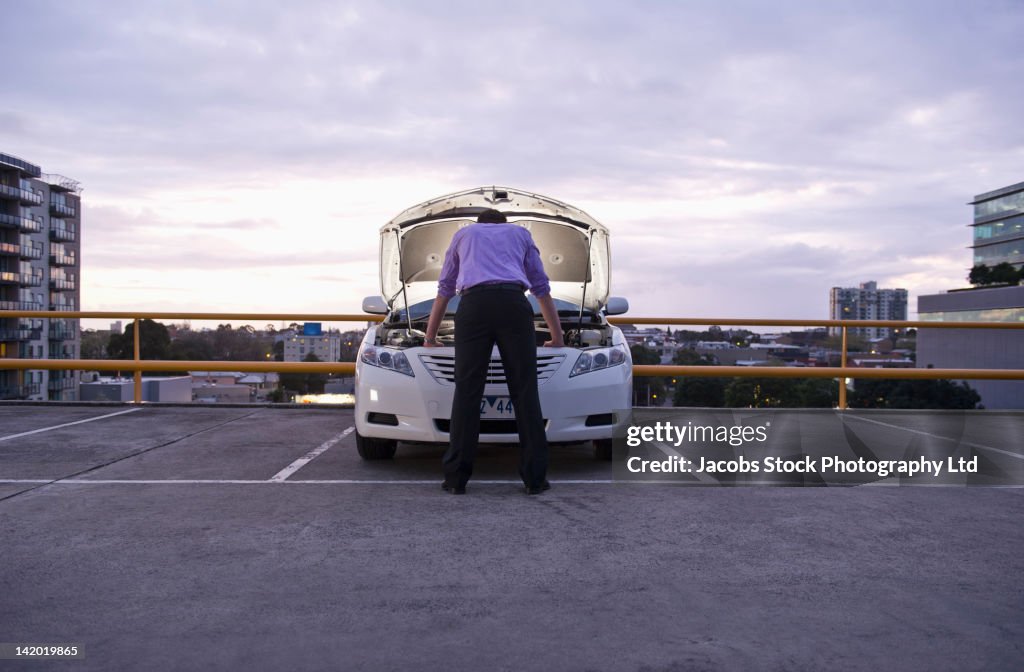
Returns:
(308,457)
(436,482)
(936,436)
(215,481)
(67,424)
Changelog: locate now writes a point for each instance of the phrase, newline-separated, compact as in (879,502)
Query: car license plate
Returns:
(496,407)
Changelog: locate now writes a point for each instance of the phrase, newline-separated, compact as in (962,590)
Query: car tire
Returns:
(375,449)
(603,449)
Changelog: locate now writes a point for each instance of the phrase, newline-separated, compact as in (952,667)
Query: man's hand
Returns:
(434,322)
(550,313)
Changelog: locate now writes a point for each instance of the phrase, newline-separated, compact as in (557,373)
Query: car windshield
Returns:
(421,310)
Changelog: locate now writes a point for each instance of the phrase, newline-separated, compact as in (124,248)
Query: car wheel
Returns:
(603,449)
(375,449)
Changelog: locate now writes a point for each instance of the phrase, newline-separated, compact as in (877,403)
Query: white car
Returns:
(404,391)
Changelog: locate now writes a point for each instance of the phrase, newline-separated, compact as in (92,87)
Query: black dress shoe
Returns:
(453,488)
(537,489)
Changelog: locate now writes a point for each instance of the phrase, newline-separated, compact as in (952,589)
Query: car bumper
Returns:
(390,405)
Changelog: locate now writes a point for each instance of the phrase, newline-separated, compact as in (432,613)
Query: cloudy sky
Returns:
(746,156)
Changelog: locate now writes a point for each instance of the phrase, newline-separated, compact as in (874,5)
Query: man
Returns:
(490,264)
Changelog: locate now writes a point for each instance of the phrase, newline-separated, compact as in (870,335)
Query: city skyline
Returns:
(745,158)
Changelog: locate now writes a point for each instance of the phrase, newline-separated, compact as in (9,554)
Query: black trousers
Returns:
(486,317)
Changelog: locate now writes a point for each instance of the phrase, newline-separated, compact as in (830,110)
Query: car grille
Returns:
(442,368)
(486,426)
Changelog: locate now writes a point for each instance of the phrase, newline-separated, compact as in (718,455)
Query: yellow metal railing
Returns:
(842,372)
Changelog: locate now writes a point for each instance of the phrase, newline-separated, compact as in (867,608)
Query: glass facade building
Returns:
(998,233)
(40,264)
(999,226)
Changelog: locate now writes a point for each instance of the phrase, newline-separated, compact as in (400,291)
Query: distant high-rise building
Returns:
(999,226)
(40,258)
(867,302)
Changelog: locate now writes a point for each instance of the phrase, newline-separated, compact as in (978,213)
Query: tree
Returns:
(647,390)
(980,275)
(760,393)
(305,383)
(94,344)
(781,393)
(1004,272)
(154,341)
(817,393)
(938,394)
(700,392)
(697,391)
(191,346)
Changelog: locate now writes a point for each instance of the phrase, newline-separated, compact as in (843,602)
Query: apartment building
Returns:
(867,302)
(40,261)
(326,345)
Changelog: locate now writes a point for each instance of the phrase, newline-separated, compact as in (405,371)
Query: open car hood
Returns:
(572,244)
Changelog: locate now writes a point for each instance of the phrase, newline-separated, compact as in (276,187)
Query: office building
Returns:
(998,237)
(867,302)
(999,226)
(40,261)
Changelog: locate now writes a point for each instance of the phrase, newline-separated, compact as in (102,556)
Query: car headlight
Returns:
(386,358)
(600,358)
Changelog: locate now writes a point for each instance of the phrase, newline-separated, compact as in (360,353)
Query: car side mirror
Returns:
(617,305)
(375,305)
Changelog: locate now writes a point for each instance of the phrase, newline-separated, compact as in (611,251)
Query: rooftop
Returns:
(185,537)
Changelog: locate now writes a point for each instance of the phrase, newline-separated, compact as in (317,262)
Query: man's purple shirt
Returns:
(489,253)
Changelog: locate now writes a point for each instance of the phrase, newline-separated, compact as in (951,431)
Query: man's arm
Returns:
(434,322)
(550,313)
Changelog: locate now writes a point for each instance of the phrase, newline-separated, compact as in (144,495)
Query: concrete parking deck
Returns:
(170,538)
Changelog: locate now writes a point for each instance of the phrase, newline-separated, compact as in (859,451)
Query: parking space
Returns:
(176,548)
(157,443)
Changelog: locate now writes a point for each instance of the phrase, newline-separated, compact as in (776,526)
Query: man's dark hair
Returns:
(492,216)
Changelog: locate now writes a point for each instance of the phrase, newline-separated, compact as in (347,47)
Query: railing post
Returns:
(842,381)
(138,372)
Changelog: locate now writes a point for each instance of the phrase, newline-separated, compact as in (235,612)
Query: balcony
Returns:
(23,196)
(20,334)
(10,221)
(62,307)
(18,392)
(10,249)
(64,235)
(9,278)
(61,209)
(61,259)
(20,305)
(58,333)
(59,384)
(30,279)
(34,251)
(26,351)
(21,164)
